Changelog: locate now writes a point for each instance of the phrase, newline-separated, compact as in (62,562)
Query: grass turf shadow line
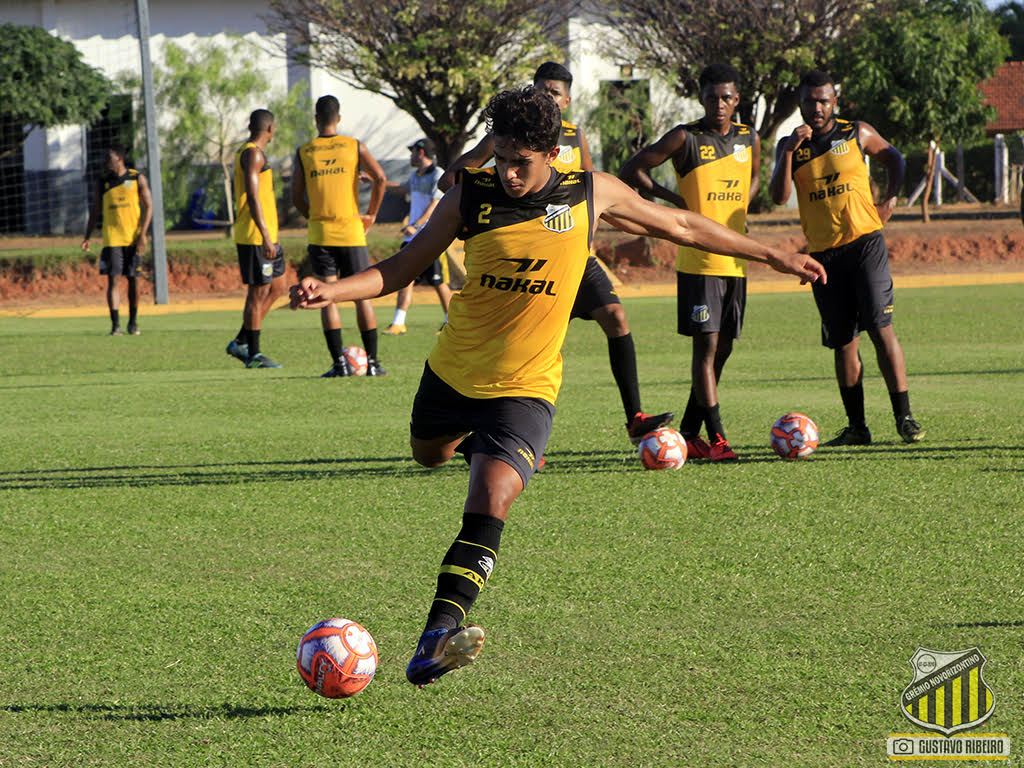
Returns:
(159,712)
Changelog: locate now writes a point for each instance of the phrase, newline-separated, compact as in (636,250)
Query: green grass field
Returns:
(172,523)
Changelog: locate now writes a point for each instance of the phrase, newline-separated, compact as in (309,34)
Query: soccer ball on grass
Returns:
(664,448)
(337,658)
(794,436)
(356,357)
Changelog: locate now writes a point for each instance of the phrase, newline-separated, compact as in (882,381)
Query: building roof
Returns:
(1005,91)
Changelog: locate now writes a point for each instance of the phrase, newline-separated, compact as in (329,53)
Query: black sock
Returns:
(242,337)
(464,570)
(900,404)
(853,402)
(714,422)
(334,346)
(622,356)
(693,417)
(115,319)
(133,312)
(254,343)
(369,342)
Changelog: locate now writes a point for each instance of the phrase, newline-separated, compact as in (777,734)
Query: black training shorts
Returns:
(340,260)
(858,295)
(512,429)
(710,304)
(120,260)
(596,291)
(255,269)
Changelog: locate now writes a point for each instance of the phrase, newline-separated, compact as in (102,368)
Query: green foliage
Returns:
(1011,26)
(913,71)
(622,118)
(205,94)
(439,62)
(44,82)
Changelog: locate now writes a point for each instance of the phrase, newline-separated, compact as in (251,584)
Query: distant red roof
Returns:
(1005,91)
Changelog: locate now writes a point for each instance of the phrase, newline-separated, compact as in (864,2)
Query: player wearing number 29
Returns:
(716,162)
(825,159)
(489,387)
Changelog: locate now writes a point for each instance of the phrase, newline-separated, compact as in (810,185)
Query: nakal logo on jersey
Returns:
(520,284)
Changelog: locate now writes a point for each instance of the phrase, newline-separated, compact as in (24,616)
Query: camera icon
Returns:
(902,747)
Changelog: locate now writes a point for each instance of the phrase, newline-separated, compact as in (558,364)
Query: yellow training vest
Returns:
(714,179)
(246,231)
(121,209)
(524,262)
(570,153)
(833,188)
(330,165)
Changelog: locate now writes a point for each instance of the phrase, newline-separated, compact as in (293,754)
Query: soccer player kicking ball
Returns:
(489,386)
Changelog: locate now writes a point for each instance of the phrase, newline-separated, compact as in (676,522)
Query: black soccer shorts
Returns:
(255,269)
(340,260)
(595,291)
(710,304)
(120,260)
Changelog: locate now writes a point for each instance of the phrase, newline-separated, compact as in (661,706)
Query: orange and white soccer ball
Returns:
(356,357)
(794,436)
(664,448)
(337,658)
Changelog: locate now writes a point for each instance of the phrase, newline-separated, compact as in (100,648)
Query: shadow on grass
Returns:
(157,712)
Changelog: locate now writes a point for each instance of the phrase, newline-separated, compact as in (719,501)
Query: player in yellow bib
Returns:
(488,389)
(596,299)
(126,204)
(716,162)
(260,258)
(325,189)
(825,159)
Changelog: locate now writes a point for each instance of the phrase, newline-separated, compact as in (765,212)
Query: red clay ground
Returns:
(967,238)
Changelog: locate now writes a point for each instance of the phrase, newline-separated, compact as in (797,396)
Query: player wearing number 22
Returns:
(824,159)
(489,387)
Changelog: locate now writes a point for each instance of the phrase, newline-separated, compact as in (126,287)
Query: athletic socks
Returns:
(622,356)
(115,318)
(242,337)
(464,570)
(333,337)
(693,417)
(713,420)
(254,343)
(900,404)
(853,402)
(370,342)
(399,317)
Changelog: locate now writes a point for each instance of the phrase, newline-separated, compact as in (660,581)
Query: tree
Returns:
(1011,26)
(438,61)
(912,72)
(770,43)
(44,83)
(204,95)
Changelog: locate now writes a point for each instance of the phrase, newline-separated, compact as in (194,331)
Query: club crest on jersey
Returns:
(840,148)
(566,154)
(740,153)
(558,218)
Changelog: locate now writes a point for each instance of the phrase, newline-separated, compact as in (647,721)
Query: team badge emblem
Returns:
(566,154)
(841,148)
(268,270)
(558,218)
(700,313)
(740,153)
(947,693)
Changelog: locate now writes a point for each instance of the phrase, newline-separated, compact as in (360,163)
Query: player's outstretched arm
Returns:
(474,158)
(391,274)
(624,209)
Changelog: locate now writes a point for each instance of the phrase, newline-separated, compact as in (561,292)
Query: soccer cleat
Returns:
(909,429)
(395,329)
(340,369)
(259,360)
(133,329)
(642,423)
(442,650)
(721,450)
(541,463)
(236,350)
(115,331)
(373,368)
(851,435)
(697,448)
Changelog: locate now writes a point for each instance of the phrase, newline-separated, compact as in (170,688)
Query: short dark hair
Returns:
(120,150)
(527,115)
(552,70)
(717,74)
(815,79)
(260,120)
(427,145)
(328,110)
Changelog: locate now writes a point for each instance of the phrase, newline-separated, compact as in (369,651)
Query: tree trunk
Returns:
(929,179)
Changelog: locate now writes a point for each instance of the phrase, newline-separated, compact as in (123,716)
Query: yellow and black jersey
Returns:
(570,152)
(121,209)
(246,231)
(330,165)
(524,261)
(833,188)
(713,173)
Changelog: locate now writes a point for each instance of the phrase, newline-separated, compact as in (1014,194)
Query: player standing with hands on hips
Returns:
(489,386)
(824,159)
